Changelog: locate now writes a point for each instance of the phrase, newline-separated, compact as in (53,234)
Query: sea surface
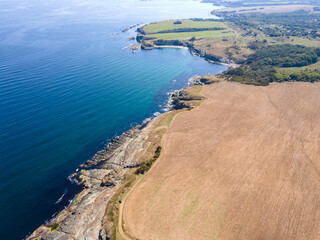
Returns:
(68,84)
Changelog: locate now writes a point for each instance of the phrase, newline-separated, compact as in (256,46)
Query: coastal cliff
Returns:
(147,43)
(190,34)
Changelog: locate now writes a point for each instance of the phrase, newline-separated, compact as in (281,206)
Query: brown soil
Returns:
(245,165)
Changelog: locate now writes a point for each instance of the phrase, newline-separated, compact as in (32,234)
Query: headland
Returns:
(243,162)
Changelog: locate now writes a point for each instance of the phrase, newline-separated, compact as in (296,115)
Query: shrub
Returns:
(54,226)
(147,165)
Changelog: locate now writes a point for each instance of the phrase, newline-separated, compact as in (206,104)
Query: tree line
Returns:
(178,30)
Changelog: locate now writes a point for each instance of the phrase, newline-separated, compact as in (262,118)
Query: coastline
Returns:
(142,44)
(180,200)
(224,62)
(109,170)
(101,176)
(192,50)
(121,224)
(89,89)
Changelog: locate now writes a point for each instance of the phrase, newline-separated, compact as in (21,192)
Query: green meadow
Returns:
(155,29)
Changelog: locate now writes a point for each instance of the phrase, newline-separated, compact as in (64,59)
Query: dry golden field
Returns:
(245,165)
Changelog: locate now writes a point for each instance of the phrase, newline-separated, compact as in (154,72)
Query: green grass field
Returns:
(201,34)
(168,25)
(295,41)
(315,66)
(304,41)
(153,29)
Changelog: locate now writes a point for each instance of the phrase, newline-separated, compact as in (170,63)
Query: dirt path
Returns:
(122,205)
(121,223)
(121,231)
(245,165)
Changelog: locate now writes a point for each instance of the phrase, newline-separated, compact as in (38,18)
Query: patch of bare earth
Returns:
(245,165)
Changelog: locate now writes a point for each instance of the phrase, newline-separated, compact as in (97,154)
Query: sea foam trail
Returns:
(60,199)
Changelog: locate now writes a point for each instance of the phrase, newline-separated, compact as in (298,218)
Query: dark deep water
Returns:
(67,84)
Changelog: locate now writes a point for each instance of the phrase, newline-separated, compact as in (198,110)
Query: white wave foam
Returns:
(60,199)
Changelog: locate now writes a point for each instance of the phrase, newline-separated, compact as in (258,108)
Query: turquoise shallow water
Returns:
(67,85)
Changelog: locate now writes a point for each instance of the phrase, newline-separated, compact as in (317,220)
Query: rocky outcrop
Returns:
(199,52)
(118,153)
(139,38)
(110,179)
(179,99)
(101,176)
(147,45)
(131,27)
(209,79)
(196,80)
(204,80)
(135,47)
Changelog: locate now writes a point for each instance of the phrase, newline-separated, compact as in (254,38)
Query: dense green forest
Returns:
(285,55)
(260,67)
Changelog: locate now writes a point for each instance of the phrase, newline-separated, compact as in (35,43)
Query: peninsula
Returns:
(237,157)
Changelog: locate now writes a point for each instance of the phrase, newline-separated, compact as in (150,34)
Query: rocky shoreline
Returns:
(101,176)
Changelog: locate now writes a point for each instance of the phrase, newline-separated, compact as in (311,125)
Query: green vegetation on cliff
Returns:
(147,165)
(53,226)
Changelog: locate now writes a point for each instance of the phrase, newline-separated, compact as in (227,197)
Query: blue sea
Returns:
(68,84)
